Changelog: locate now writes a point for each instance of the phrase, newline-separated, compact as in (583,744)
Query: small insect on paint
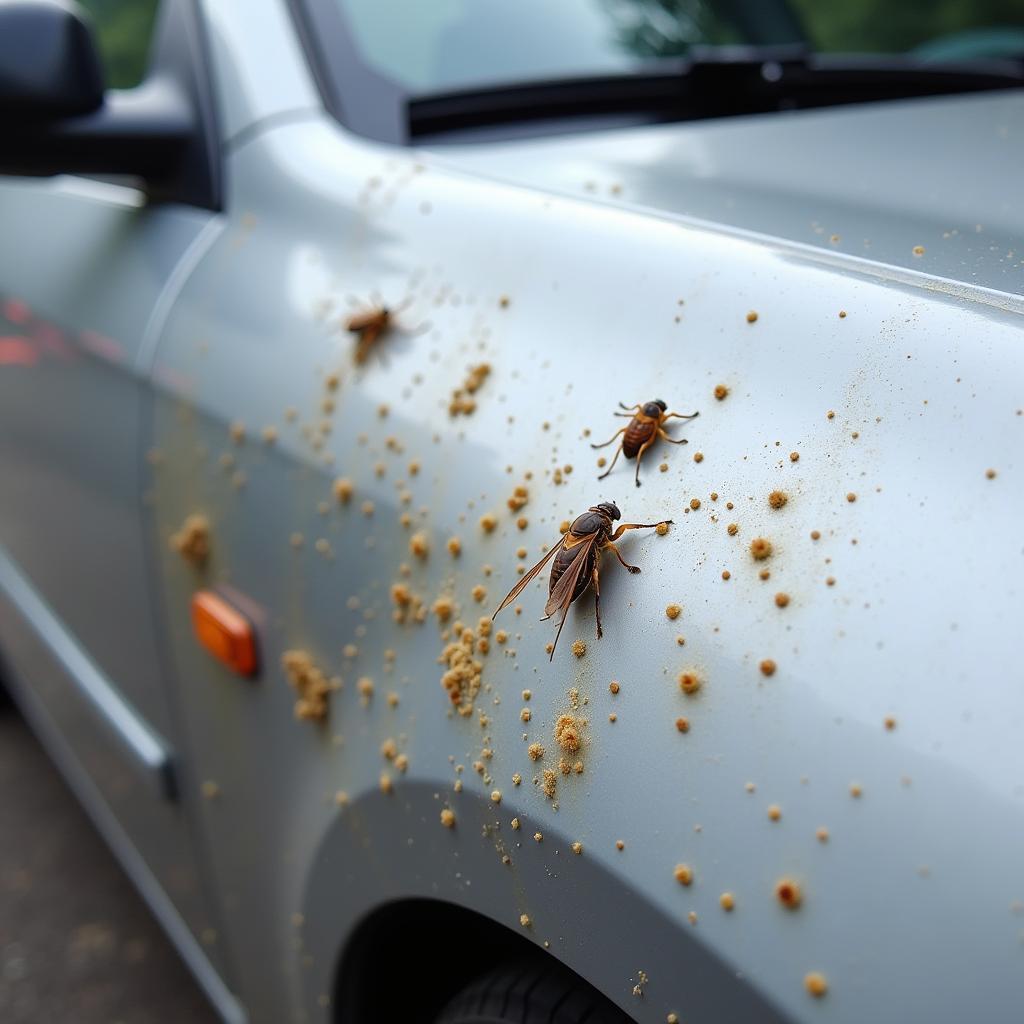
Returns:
(370,325)
(646,425)
(577,556)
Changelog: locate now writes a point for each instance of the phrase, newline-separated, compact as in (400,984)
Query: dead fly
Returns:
(577,556)
(370,325)
(645,426)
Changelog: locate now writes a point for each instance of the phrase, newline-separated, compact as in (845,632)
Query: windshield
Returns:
(433,46)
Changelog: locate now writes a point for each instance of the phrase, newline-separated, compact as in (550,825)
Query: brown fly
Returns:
(370,325)
(646,425)
(577,557)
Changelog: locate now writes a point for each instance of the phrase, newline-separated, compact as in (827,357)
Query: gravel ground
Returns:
(77,944)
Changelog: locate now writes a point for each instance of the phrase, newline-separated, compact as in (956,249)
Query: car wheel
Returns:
(538,991)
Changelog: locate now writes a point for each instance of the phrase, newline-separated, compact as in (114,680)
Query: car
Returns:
(309,343)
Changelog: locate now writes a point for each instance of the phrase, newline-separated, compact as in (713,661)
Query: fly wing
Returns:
(561,596)
(524,582)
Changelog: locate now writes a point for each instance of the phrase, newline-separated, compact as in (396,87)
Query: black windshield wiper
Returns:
(711,82)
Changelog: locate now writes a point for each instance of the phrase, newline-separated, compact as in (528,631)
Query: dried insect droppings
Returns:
(419,545)
(577,848)
(579,648)
(495,796)
(538,837)
(448,818)
(768,667)
(815,534)
(619,845)
(752,317)
(726,575)
(568,733)
(341,798)
(488,521)
(343,489)
(918,250)
(479,592)
(727,901)
(695,504)
(673,611)
(698,456)
(732,529)
(683,724)
(663,468)
(237,431)
(192,541)
(683,874)
(661,529)
(689,681)
(789,893)
(309,682)
(990,474)
(760,549)
(816,984)
(794,456)
(525,715)
(856,791)
(524,920)
(821,834)
(443,608)
(774,812)
(386,785)
(364,687)
(721,392)
(851,497)
(550,783)
(777,499)
(781,599)
(209,789)
(890,723)
(461,403)
(672,1018)
(830,581)
(515,824)
(535,751)
(613,686)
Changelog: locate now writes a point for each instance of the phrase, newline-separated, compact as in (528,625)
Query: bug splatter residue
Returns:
(192,541)
(309,682)
(789,893)
(689,681)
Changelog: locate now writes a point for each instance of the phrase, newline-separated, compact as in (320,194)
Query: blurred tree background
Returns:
(123,31)
(893,26)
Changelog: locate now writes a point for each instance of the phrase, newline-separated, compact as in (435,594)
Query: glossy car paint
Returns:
(912,907)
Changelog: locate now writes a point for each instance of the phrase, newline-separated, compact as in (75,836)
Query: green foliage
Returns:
(123,31)
(894,26)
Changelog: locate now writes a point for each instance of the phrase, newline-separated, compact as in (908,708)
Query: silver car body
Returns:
(882,249)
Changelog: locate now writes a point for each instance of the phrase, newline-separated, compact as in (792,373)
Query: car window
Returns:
(124,29)
(448,44)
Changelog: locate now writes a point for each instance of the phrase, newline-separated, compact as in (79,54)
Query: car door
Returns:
(87,270)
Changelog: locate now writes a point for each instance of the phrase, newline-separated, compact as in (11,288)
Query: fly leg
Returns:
(671,440)
(618,452)
(610,439)
(597,601)
(679,416)
(635,526)
(634,569)
(640,454)
(629,408)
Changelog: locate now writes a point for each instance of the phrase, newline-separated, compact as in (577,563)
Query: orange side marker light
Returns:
(224,632)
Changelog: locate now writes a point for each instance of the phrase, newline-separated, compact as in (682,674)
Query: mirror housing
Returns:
(57,118)
(49,62)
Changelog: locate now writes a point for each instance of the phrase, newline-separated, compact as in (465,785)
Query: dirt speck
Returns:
(309,683)
(689,681)
(192,541)
(816,984)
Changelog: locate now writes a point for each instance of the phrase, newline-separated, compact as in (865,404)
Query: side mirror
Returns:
(56,117)
(49,64)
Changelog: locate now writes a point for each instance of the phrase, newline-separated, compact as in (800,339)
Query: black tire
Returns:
(535,991)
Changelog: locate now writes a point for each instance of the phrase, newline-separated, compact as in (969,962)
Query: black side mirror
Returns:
(49,64)
(56,117)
